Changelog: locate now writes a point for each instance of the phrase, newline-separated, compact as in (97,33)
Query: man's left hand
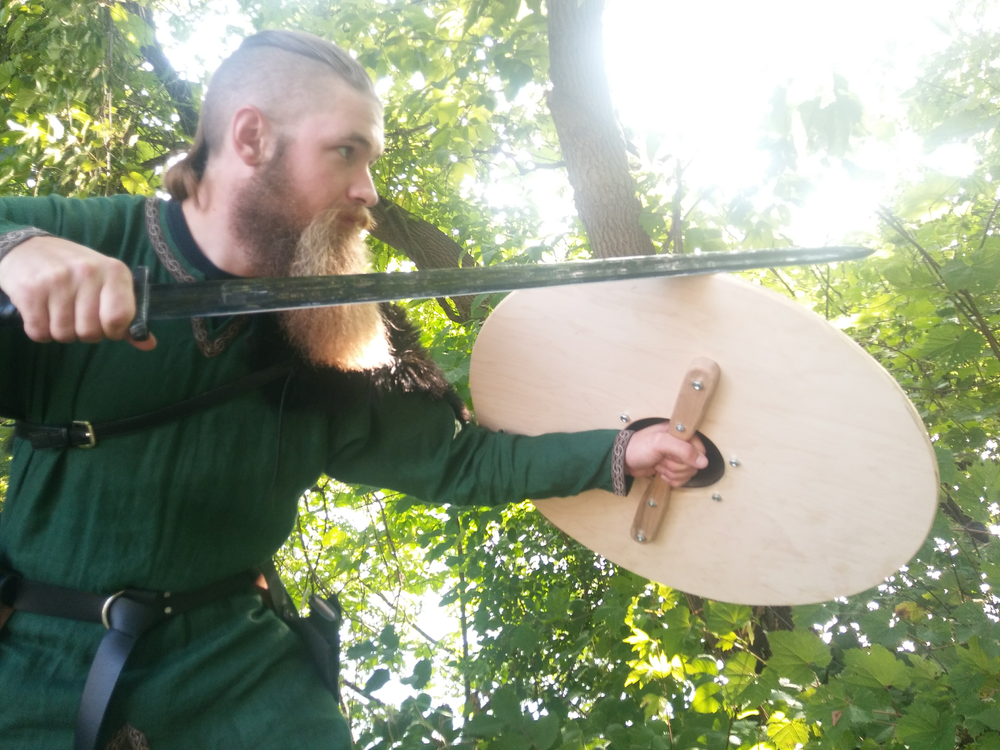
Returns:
(655,451)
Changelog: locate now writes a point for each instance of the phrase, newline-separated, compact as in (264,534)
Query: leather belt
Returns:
(81,434)
(126,615)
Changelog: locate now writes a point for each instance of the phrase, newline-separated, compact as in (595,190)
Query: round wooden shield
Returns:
(829,485)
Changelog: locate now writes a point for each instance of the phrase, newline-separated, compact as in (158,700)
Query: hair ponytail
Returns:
(182,179)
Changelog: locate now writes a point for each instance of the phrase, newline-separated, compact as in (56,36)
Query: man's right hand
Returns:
(67,292)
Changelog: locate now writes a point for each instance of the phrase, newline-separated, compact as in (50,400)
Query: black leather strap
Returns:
(87,435)
(127,615)
(129,620)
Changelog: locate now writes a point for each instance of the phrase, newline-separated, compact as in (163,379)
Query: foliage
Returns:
(100,125)
(549,646)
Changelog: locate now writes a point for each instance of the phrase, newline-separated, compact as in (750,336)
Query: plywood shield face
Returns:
(834,485)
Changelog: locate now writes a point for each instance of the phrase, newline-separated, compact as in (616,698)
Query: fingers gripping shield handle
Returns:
(692,402)
(138,328)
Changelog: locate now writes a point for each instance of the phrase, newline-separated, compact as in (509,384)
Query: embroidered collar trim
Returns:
(208,346)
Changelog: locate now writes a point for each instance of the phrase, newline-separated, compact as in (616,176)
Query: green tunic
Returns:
(197,500)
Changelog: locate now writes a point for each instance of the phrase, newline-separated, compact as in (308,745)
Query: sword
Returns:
(238,296)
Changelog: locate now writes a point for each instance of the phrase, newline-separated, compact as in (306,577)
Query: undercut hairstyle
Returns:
(278,71)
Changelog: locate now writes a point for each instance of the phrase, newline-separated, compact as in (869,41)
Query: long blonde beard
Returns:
(348,337)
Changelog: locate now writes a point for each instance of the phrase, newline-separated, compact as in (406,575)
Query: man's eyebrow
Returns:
(366,142)
(362,140)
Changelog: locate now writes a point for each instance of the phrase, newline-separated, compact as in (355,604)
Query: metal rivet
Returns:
(734,462)
(168,610)
(624,418)
(680,427)
(640,537)
(717,497)
(651,503)
(696,385)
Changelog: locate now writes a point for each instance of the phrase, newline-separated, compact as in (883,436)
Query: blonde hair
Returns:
(276,71)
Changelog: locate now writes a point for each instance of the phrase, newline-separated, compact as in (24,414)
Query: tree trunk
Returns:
(591,141)
(424,244)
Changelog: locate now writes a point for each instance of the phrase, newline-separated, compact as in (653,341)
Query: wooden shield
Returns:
(830,483)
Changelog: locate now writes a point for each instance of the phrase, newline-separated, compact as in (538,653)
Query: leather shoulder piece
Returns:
(327,388)
(413,370)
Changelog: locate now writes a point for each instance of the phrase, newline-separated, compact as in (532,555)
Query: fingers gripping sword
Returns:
(239,296)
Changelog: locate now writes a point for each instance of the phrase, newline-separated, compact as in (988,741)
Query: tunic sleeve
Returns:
(413,444)
(112,226)
(102,224)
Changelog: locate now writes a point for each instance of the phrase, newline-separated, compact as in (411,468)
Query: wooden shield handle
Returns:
(692,401)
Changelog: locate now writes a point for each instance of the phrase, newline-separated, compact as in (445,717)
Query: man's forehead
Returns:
(355,114)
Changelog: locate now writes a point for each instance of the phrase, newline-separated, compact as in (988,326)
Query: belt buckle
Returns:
(88,432)
(106,609)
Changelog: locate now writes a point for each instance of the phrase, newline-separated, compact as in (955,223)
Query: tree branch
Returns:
(463,618)
(989,220)
(963,301)
(361,691)
(424,244)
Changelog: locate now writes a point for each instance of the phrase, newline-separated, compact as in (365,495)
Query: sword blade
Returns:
(237,296)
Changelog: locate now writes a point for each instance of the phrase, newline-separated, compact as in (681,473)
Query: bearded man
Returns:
(128,613)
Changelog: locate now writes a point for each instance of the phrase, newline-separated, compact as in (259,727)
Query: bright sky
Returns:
(702,74)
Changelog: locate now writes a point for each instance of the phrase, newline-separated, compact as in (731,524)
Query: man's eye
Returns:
(346,151)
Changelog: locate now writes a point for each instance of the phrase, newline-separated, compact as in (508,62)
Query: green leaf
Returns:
(923,727)
(421,675)
(543,732)
(805,616)
(722,618)
(704,701)
(525,638)
(483,725)
(506,705)
(389,639)
(677,624)
(787,734)
(740,671)
(877,667)
(946,465)
(795,653)
(989,716)
(378,679)
(360,650)
(557,603)
(988,741)
(875,625)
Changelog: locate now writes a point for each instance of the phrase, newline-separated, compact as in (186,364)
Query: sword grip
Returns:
(138,329)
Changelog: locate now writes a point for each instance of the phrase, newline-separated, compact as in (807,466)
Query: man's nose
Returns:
(362,190)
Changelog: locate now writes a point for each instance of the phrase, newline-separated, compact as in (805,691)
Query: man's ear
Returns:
(250,131)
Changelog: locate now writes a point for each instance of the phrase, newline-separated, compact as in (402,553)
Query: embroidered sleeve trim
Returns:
(618,482)
(208,346)
(10,240)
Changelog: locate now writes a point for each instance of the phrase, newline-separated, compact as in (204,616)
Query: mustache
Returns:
(352,217)
(350,337)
